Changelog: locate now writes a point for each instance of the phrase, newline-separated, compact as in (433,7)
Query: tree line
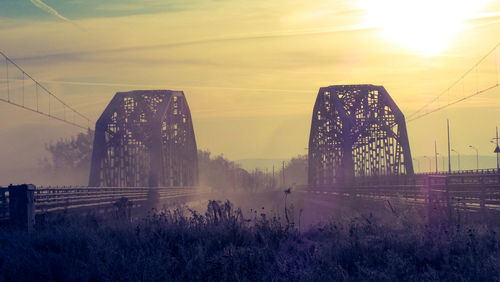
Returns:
(72,156)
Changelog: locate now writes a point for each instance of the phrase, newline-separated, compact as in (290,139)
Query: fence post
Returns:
(3,203)
(124,209)
(449,203)
(153,196)
(428,190)
(428,199)
(22,206)
(482,199)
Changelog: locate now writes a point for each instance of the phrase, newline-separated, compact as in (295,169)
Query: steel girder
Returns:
(356,131)
(145,138)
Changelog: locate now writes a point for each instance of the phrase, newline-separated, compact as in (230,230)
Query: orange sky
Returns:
(251,69)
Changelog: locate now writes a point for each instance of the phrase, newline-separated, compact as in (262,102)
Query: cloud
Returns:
(207,40)
(49,9)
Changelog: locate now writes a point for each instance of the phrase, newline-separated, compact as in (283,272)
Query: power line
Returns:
(454,102)
(86,121)
(45,114)
(453,85)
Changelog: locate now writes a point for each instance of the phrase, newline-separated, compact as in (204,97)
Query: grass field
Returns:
(222,245)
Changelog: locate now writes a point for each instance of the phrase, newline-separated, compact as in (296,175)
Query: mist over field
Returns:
(208,140)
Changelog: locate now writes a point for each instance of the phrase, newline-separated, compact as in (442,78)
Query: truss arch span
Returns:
(356,131)
(145,138)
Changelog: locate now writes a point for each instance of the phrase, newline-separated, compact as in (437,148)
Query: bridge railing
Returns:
(4,203)
(64,198)
(474,192)
(73,199)
(463,172)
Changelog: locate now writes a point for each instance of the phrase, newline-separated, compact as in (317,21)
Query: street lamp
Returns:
(497,150)
(430,163)
(453,150)
(437,154)
(418,163)
(477,155)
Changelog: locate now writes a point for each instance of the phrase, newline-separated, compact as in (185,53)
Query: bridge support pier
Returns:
(22,206)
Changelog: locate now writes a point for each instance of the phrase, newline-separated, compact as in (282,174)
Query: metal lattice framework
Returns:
(356,130)
(145,138)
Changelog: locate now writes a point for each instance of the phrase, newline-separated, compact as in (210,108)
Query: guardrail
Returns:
(19,203)
(463,172)
(472,192)
(54,199)
(4,203)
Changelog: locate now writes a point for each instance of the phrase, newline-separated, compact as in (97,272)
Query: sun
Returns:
(425,26)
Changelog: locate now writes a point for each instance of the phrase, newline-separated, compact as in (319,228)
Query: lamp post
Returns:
(449,158)
(436,154)
(477,155)
(430,163)
(437,167)
(497,150)
(418,164)
(453,150)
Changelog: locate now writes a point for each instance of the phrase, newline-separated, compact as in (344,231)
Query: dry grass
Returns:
(222,245)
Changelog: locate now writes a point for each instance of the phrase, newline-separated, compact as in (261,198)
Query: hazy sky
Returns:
(251,70)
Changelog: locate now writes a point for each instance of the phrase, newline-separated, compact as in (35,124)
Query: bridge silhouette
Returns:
(144,140)
(356,131)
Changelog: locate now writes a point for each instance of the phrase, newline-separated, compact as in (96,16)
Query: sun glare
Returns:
(425,26)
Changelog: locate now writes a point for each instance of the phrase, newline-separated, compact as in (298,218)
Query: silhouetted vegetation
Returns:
(295,171)
(69,161)
(72,157)
(221,173)
(74,153)
(222,245)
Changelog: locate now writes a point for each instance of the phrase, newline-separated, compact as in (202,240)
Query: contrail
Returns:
(49,9)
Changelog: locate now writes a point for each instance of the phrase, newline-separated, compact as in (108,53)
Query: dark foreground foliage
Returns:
(221,245)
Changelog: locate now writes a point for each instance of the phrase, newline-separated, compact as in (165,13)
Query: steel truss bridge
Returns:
(145,138)
(356,131)
(358,146)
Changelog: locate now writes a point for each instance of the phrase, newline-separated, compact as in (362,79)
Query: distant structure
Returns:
(145,138)
(356,131)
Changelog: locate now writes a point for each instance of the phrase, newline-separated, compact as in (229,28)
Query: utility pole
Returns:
(273,177)
(436,154)
(497,150)
(266,179)
(449,159)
